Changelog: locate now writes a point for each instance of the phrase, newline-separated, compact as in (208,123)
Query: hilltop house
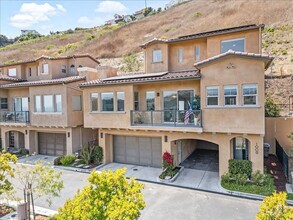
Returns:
(200,93)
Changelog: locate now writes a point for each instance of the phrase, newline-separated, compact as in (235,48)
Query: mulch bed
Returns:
(276,170)
(4,210)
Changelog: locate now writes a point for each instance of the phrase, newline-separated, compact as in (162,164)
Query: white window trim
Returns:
(231,86)
(234,39)
(212,87)
(35,106)
(256,95)
(43,72)
(180,59)
(158,61)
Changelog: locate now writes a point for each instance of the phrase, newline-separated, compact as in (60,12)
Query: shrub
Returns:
(89,36)
(67,160)
(197,14)
(241,178)
(240,167)
(271,108)
(228,177)
(257,178)
(275,207)
(284,52)
(130,63)
(49,46)
(168,163)
(91,154)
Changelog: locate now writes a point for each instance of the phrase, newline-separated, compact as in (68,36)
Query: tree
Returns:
(6,170)
(109,196)
(271,108)
(130,63)
(275,207)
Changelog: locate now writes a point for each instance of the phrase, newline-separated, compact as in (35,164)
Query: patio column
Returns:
(27,140)
(224,156)
(4,138)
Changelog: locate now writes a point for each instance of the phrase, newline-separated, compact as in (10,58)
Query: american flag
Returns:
(187,114)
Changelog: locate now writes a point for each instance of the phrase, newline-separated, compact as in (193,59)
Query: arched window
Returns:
(72,70)
(240,148)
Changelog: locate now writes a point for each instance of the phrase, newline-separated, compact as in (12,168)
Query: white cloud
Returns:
(32,13)
(85,21)
(111,7)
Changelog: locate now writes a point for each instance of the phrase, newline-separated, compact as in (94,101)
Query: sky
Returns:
(53,15)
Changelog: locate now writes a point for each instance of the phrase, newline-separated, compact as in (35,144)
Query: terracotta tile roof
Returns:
(45,82)
(144,77)
(268,59)
(8,78)
(52,58)
(206,34)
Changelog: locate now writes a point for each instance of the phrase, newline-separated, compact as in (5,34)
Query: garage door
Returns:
(145,151)
(53,144)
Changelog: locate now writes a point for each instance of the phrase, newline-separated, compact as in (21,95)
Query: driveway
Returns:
(167,202)
(31,160)
(197,179)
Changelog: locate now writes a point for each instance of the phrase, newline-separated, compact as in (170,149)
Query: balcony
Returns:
(14,116)
(167,118)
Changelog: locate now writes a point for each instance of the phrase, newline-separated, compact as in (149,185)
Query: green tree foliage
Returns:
(28,36)
(148,11)
(109,196)
(130,63)
(6,171)
(4,41)
(275,207)
(271,108)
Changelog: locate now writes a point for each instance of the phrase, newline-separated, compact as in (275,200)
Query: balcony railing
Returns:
(15,116)
(168,118)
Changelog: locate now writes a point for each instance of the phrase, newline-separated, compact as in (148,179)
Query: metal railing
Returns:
(168,118)
(15,116)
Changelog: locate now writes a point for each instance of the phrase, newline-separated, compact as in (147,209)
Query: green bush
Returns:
(49,46)
(240,167)
(91,154)
(241,178)
(257,178)
(271,108)
(67,160)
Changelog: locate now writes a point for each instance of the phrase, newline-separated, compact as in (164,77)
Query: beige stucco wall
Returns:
(239,119)
(151,67)
(279,129)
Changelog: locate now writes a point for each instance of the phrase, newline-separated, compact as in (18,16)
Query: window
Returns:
(157,56)
(150,100)
(120,101)
(230,95)
(249,93)
(107,101)
(180,55)
(94,102)
(76,103)
(38,103)
(12,72)
(3,103)
(72,70)
(58,103)
(234,44)
(45,68)
(63,68)
(48,103)
(21,104)
(240,148)
(197,53)
(136,101)
(30,71)
(212,95)
(38,70)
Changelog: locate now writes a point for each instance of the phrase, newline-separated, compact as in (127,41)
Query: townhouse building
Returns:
(41,104)
(201,91)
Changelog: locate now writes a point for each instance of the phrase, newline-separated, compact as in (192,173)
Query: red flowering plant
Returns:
(168,163)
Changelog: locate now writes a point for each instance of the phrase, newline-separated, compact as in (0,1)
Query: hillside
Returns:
(193,17)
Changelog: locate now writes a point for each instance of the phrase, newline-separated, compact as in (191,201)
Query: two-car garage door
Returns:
(145,151)
(53,144)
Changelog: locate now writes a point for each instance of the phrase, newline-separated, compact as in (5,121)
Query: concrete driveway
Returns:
(31,160)
(197,179)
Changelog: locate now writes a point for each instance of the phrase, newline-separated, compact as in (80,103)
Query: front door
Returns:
(11,138)
(179,152)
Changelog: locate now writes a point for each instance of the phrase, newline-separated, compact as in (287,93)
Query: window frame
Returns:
(236,96)
(256,95)
(136,101)
(14,72)
(218,96)
(180,55)
(3,103)
(35,103)
(153,56)
(29,71)
(102,106)
(242,148)
(91,101)
(72,69)
(146,98)
(55,103)
(234,39)
(63,68)
(43,68)
(117,104)
(43,102)
(197,56)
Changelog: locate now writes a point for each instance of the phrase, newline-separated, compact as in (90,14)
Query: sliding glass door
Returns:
(21,104)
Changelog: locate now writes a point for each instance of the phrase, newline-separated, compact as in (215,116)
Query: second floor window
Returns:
(30,71)
(12,72)
(157,56)
(3,103)
(76,103)
(45,68)
(234,44)
(150,100)
(120,101)
(48,103)
(107,101)
(230,95)
(63,68)
(38,103)
(249,93)
(212,96)
(180,55)
(58,103)
(94,102)
(197,53)
(72,70)
(136,101)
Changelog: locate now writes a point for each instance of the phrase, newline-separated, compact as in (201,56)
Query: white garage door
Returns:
(145,151)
